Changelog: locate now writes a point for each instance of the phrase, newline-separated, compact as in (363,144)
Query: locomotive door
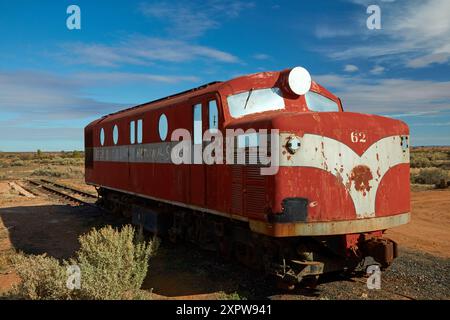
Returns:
(205,116)
(197,168)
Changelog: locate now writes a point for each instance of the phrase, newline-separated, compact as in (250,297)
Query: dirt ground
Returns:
(44,225)
(429,230)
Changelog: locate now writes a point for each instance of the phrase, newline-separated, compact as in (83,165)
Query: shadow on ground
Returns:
(51,229)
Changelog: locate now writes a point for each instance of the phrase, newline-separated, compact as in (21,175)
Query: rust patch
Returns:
(361,176)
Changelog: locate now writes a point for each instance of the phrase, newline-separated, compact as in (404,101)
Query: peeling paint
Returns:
(361,177)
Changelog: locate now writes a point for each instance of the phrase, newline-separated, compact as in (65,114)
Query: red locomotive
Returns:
(342,178)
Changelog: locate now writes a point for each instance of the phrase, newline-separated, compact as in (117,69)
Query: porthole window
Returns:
(115,134)
(163,127)
(102,136)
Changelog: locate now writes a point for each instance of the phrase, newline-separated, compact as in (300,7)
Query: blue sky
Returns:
(53,81)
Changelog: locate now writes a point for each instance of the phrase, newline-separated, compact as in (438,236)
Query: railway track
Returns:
(65,192)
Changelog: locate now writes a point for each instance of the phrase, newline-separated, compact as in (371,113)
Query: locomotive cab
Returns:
(340,173)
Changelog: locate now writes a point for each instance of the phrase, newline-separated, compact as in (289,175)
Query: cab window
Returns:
(319,103)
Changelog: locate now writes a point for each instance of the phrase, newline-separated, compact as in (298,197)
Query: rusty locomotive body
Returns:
(342,178)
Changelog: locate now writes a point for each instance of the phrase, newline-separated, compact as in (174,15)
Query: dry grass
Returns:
(42,164)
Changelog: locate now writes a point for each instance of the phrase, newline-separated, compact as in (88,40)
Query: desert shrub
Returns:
(17,163)
(436,156)
(43,278)
(113,265)
(66,161)
(26,156)
(445,165)
(4,164)
(72,154)
(429,176)
(420,161)
(50,172)
(55,172)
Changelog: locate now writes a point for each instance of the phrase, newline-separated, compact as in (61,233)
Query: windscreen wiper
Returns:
(248,98)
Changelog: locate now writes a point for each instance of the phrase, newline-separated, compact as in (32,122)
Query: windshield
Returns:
(317,102)
(253,101)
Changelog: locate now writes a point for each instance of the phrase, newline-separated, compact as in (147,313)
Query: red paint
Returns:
(239,190)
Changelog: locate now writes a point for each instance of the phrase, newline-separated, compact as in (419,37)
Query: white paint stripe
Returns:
(338,159)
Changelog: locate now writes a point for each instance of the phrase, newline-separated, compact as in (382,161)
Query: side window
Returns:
(102,136)
(163,127)
(115,134)
(139,131)
(132,132)
(198,134)
(213,116)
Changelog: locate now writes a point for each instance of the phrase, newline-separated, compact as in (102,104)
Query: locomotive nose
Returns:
(352,155)
(355,130)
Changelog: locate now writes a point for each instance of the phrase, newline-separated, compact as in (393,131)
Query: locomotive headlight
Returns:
(299,80)
(293,144)
(404,142)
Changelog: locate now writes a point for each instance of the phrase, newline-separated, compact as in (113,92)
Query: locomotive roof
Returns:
(258,78)
(161,102)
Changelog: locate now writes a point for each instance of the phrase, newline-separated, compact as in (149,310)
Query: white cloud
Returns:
(189,19)
(377,70)
(129,77)
(51,97)
(432,124)
(351,68)
(261,56)
(416,33)
(140,50)
(323,31)
(388,96)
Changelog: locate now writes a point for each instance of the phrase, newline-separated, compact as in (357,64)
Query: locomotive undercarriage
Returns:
(289,260)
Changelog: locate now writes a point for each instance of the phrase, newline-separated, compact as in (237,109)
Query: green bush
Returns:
(43,278)
(26,156)
(17,163)
(420,161)
(429,176)
(50,172)
(113,265)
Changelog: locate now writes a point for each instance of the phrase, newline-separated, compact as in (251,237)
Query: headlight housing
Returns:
(293,144)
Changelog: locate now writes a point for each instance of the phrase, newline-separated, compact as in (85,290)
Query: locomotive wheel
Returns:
(310,282)
(225,248)
(285,285)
